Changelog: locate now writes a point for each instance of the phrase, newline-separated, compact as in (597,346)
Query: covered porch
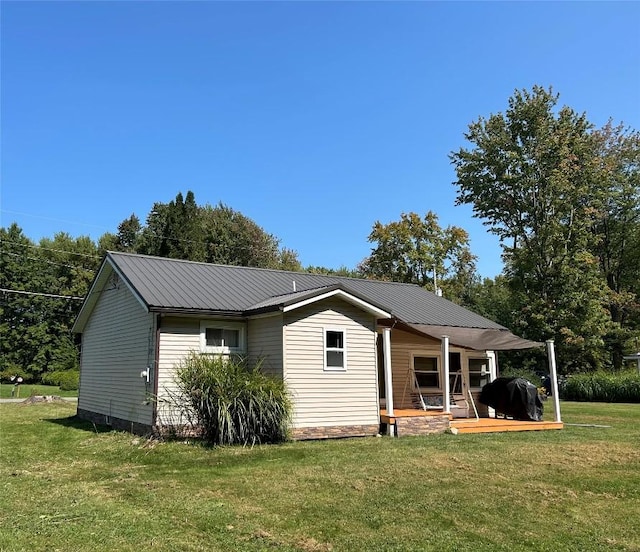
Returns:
(431,378)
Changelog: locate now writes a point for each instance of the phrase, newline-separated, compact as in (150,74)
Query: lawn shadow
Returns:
(78,423)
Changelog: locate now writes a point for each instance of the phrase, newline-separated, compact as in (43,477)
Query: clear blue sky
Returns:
(313,118)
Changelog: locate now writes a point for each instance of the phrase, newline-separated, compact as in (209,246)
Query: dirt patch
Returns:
(312,545)
(42,399)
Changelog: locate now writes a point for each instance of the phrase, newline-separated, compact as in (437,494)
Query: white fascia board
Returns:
(367,307)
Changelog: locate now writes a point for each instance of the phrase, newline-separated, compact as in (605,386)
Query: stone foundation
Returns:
(116,423)
(422,425)
(334,432)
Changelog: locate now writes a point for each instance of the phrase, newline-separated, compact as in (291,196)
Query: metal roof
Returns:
(187,286)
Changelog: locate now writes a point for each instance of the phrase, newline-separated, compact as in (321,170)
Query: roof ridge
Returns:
(278,270)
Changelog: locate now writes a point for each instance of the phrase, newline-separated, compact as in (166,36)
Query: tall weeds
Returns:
(231,402)
(622,387)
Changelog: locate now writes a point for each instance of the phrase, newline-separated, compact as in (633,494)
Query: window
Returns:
(427,372)
(221,337)
(478,372)
(335,353)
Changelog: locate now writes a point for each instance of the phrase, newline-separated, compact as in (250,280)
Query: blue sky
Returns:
(313,118)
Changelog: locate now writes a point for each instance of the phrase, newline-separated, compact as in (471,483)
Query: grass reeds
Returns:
(622,387)
(232,402)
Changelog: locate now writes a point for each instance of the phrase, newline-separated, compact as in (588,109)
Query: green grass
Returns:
(66,486)
(27,390)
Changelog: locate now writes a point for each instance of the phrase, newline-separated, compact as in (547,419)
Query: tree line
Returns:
(43,283)
(562,195)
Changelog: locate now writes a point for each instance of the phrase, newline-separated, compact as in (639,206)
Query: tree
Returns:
(181,229)
(412,249)
(534,174)
(617,233)
(36,329)
(174,230)
(342,271)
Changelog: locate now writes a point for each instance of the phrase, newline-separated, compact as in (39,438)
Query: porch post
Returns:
(493,374)
(388,379)
(446,399)
(553,373)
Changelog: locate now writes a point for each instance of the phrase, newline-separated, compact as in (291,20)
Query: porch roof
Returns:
(477,339)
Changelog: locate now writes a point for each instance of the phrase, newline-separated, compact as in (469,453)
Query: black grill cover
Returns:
(515,397)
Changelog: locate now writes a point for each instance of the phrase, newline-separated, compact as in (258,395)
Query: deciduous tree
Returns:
(536,175)
(411,249)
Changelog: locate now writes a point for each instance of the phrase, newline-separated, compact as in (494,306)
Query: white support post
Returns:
(553,374)
(493,374)
(446,399)
(388,379)
(493,365)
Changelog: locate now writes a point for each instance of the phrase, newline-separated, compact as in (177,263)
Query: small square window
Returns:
(224,338)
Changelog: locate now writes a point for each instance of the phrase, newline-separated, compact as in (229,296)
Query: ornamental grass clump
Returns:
(622,387)
(233,402)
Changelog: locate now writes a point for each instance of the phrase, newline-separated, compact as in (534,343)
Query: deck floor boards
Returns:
(473,425)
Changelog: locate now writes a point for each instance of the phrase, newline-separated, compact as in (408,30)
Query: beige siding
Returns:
(178,338)
(403,344)
(264,343)
(328,398)
(118,343)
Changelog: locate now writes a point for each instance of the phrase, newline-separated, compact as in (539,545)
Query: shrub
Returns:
(13,370)
(529,375)
(67,380)
(232,402)
(602,387)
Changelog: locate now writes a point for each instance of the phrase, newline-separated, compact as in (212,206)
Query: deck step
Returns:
(490,425)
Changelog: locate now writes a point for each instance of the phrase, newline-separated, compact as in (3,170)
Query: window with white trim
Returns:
(222,337)
(427,372)
(478,372)
(335,350)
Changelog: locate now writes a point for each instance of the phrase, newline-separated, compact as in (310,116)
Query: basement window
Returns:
(335,351)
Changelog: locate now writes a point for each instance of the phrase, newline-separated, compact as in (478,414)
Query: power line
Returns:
(50,249)
(53,219)
(24,256)
(42,294)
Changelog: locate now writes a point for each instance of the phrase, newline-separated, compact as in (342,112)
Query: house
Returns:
(354,353)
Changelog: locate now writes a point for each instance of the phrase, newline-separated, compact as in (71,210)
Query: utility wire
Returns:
(24,256)
(50,249)
(42,294)
(52,219)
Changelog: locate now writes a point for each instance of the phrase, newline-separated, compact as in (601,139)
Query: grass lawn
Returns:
(26,390)
(65,486)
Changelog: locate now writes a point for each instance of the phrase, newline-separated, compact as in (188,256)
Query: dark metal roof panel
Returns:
(289,298)
(171,283)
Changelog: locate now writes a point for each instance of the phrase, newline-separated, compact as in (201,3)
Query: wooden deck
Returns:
(473,425)
(407,413)
(495,425)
